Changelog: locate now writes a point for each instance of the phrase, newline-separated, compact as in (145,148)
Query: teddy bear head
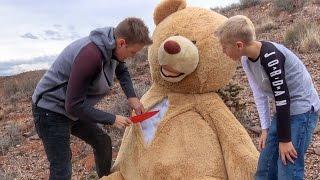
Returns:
(185,56)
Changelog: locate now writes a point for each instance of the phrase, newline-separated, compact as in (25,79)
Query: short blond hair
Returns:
(236,28)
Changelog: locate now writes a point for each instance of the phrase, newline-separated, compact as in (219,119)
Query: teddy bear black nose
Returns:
(171,47)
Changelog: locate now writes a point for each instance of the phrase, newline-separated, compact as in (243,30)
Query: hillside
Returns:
(21,152)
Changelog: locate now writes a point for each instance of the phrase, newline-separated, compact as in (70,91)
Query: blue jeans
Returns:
(54,130)
(270,166)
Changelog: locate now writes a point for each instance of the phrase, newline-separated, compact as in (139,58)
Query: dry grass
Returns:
(304,37)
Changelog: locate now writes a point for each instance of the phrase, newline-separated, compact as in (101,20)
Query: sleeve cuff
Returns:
(111,120)
(130,94)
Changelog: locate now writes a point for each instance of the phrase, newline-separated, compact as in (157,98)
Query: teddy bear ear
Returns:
(167,7)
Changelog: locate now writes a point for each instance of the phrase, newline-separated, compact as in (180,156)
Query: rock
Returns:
(114,154)
(317,129)
(317,150)
(27,134)
(255,129)
(89,162)
(34,137)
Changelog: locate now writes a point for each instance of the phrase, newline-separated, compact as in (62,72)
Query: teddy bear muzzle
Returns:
(178,57)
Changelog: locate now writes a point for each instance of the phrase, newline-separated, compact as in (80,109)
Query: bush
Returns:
(288,5)
(231,97)
(267,25)
(11,138)
(315,1)
(293,34)
(138,65)
(121,106)
(225,10)
(311,42)
(142,87)
(7,176)
(248,3)
(22,85)
(2,113)
(303,36)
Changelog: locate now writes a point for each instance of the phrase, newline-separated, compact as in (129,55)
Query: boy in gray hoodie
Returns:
(64,99)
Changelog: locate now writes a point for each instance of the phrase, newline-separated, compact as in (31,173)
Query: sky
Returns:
(34,32)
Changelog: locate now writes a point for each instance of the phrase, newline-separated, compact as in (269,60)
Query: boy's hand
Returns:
(262,139)
(122,122)
(136,105)
(287,152)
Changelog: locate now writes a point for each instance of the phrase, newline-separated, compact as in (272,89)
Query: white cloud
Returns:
(23,65)
(28,67)
(29,36)
(33,28)
(20,48)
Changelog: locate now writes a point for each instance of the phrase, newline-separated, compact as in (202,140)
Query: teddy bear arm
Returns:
(240,154)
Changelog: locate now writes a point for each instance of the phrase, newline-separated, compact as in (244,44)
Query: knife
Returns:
(144,116)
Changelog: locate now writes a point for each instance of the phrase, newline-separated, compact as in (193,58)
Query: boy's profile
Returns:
(275,72)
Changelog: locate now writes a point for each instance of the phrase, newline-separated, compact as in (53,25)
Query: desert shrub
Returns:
(10,88)
(224,10)
(315,1)
(311,41)
(7,176)
(120,106)
(288,5)
(138,65)
(22,85)
(249,3)
(231,97)
(141,88)
(303,36)
(12,136)
(267,25)
(2,113)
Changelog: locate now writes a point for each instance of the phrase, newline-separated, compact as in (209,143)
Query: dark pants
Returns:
(54,130)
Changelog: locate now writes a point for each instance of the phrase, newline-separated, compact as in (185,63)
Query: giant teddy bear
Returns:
(194,135)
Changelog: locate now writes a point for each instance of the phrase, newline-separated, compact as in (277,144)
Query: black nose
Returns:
(172,47)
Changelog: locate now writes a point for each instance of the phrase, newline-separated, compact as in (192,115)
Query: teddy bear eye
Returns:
(194,42)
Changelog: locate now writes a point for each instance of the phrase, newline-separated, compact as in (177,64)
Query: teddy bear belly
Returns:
(185,147)
(149,126)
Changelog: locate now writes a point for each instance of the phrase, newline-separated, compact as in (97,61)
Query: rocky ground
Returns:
(21,152)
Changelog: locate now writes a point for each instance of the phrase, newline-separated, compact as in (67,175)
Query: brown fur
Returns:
(198,138)
(167,7)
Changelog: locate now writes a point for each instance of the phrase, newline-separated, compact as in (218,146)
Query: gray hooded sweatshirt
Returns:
(52,90)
